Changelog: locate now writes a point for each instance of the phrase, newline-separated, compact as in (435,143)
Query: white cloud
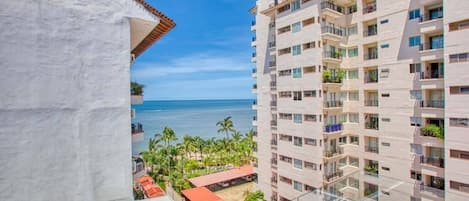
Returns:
(191,64)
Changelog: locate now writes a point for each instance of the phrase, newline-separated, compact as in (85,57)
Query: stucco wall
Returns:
(64,109)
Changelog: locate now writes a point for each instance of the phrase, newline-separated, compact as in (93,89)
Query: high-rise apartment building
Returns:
(362,99)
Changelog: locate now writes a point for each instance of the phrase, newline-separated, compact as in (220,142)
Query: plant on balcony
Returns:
(136,88)
(432,130)
(371,169)
(328,76)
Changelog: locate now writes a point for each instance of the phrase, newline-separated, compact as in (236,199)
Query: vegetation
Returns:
(433,130)
(333,76)
(136,88)
(255,196)
(371,169)
(169,161)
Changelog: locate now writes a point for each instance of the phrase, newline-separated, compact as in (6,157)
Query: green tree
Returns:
(199,145)
(226,126)
(136,88)
(255,196)
(188,144)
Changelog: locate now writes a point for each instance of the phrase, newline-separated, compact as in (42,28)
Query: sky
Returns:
(206,56)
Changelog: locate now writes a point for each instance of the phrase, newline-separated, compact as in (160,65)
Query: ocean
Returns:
(191,117)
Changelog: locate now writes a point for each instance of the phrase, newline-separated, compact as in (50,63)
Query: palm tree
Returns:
(168,136)
(199,145)
(226,126)
(188,145)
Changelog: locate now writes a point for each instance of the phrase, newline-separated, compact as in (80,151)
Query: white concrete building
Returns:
(65,105)
(363,99)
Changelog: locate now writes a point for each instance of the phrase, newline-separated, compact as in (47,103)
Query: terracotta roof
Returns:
(149,187)
(165,25)
(200,194)
(222,176)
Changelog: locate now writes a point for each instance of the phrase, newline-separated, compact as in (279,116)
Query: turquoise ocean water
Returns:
(192,117)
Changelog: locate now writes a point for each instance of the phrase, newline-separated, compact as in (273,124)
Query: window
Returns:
(353,74)
(459,90)
(285,159)
(297,118)
(310,117)
(352,9)
(459,154)
(459,122)
(353,161)
(285,116)
(414,41)
(283,137)
(459,25)
(352,30)
(385,95)
(283,8)
(296,50)
(298,186)
(416,94)
(309,141)
(416,175)
(297,96)
(342,140)
(309,94)
(309,69)
(296,27)
(353,117)
(459,186)
(284,51)
(308,21)
(309,45)
(297,73)
(284,29)
(456,58)
(298,163)
(295,5)
(385,46)
(353,96)
(414,14)
(354,140)
(285,94)
(284,73)
(415,68)
(311,166)
(298,141)
(353,52)
(384,21)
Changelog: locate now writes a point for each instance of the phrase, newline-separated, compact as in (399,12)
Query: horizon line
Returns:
(200,99)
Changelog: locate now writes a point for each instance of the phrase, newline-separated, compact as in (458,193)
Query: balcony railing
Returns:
(273,85)
(371,77)
(272,63)
(432,103)
(273,142)
(333,152)
(333,30)
(431,16)
(332,103)
(371,170)
(369,8)
(332,6)
(370,32)
(332,55)
(371,55)
(431,75)
(433,190)
(372,149)
(372,125)
(333,128)
(254,70)
(429,46)
(272,44)
(254,54)
(329,76)
(253,39)
(254,86)
(137,128)
(371,103)
(273,123)
(434,161)
(334,175)
(253,23)
(254,118)
(254,102)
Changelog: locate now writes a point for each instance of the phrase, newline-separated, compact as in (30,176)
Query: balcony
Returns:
(432,104)
(332,33)
(254,121)
(273,144)
(273,124)
(332,128)
(433,130)
(372,149)
(372,103)
(137,132)
(369,8)
(431,75)
(332,56)
(136,93)
(371,170)
(273,86)
(430,23)
(371,31)
(371,121)
(253,57)
(371,76)
(273,67)
(333,104)
(331,9)
(273,163)
(330,177)
(273,105)
(371,55)
(253,25)
(254,88)
(254,105)
(332,76)
(432,190)
(333,152)
(431,46)
(433,161)
(254,73)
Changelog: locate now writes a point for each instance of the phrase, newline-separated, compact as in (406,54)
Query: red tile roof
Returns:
(222,176)
(149,187)
(200,194)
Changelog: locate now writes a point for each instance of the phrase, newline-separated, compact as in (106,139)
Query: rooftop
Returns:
(218,177)
(200,194)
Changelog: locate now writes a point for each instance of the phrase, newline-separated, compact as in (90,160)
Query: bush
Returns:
(432,130)
(255,196)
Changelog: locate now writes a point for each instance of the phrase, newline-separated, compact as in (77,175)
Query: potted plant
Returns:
(326,76)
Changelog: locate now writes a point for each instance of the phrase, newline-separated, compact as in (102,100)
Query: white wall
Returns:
(64,109)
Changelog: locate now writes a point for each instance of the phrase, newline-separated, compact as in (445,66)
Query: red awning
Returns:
(218,177)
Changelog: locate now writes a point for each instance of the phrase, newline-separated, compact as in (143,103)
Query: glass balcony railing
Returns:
(433,103)
(431,46)
(371,103)
(371,55)
(137,128)
(431,16)
(333,128)
(370,32)
(372,149)
(334,175)
(431,75)
(333,152)
(433,161)
(333,103)
(332,6)
(332,55)
(333,30)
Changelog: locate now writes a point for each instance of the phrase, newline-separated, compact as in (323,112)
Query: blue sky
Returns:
(207,55)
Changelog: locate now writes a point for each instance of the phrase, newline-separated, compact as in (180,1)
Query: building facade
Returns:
(362,98)
(65,106)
